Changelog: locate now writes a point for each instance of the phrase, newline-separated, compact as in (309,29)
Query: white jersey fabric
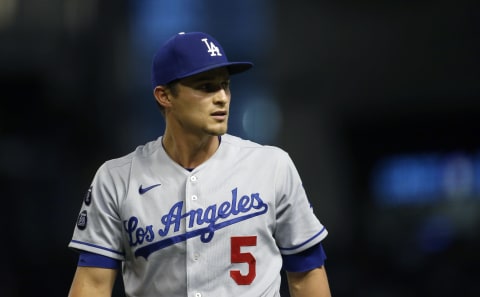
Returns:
(218,230)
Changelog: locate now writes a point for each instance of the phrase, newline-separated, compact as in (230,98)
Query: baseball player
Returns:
(198,212)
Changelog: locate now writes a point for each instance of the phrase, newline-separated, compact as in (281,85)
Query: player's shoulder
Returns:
(238,143)
(141,152)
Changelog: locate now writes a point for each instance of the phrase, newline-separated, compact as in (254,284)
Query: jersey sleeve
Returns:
(307,260)
(98,228)
(86,259)
(297,227)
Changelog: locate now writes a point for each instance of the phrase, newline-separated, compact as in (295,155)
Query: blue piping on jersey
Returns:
(88,259)
(98,247)
(309,259)
(304,243)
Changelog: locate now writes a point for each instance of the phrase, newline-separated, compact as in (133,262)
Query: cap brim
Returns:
(232,67)
(239,67)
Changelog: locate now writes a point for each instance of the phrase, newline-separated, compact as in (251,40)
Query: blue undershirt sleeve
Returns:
(309,259)
(87,259)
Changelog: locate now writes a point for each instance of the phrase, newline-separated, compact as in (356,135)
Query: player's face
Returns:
(202,103)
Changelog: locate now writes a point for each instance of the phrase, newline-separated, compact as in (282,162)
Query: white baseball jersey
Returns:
(218,230)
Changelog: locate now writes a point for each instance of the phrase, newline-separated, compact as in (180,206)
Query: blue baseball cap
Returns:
(186,54)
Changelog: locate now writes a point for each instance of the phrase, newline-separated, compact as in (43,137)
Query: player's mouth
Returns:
(219,115)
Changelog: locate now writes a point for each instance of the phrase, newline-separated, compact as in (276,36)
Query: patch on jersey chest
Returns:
(208,220)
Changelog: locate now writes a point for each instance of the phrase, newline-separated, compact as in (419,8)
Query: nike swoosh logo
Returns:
(142,190)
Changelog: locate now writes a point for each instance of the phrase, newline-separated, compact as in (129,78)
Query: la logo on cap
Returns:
(212,48)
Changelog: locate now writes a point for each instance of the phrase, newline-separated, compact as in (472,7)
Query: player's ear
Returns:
(162,96)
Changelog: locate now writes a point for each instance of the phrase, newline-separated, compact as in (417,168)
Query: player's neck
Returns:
(190,151)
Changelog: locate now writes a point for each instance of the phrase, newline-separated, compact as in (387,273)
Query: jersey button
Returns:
(194,197)
(193,178)
(198,295)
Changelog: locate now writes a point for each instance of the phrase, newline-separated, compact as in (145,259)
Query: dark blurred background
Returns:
(376,102)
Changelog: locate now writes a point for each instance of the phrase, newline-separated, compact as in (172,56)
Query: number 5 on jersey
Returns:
(238,257)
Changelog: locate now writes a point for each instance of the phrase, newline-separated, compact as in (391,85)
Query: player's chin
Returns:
(218,129)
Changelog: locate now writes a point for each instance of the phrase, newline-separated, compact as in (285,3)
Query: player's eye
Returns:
(208,87)
(212,87)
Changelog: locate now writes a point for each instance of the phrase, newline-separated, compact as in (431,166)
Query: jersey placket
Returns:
(194,259)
